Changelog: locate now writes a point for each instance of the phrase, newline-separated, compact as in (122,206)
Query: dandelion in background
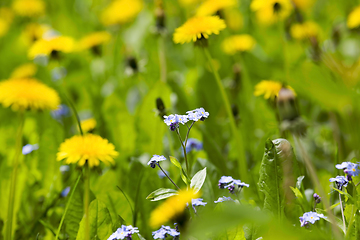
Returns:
(88,125)
(172,208)
(27,94)
(305,30)
(269,88)
(164,231)
(52,45)
(310,217)
(24,71)
(224,199)
(121,11)
(93,41)
(28,148)
(353,20)
(238,43)
(210,7)
(350,168)
(271,11)
(29,8)
(33,32)
(197,28)
(125,232)
(90,149)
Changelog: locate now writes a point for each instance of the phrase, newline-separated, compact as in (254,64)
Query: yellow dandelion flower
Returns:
(89,148)
(24,71)
(27,93)
(304,30)
(88,124)
(6,14)
(271,11)
(4,27)
(269,88)
(188,2)
(46,46)
(198,27)
(210,7)
(93,39)
(29,8)
(172,207)
(238,43)
(121,11)
(303,4)
(33,32)
(234,19)
(353,20)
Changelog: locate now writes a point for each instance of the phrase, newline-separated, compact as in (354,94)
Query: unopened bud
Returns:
(317,198)
(336,35)
(286,104)
(132,63)
(160,106)
(160,17)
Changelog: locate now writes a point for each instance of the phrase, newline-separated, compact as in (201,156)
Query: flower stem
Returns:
(18,144)
(67,207)
(162,59)
(87,201)
(187,134)
(167,176)
(342,212)
(184,150)
(239,142)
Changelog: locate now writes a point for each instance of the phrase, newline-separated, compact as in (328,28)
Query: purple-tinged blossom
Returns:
(155,159)
(28,148)
(340,181)
(197,202)
(310,217)
(125,232)
(193,143)
(61,112)
(350,168)
(317,198)
(164,231)
(197,114)
(224,180)
(223,199)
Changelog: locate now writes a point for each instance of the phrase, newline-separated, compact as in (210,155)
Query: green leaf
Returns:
(338,221)
(297,193)
(198,180)
(184,177)
(299,181)
(160,191)
(175,162)
(100,222)
(343,193)
(74,213)
(270,181)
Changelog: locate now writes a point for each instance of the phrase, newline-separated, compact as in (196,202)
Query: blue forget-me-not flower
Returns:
(340,181)
(123,232)
(310,217)
(28,148)
(224,199)
(350,168)
(164,231)
(155,159)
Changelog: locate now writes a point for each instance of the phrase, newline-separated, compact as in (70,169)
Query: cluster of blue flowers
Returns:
(231,184)
(310,217)
(173,120)
(164,231)
(125,232)
(350,169)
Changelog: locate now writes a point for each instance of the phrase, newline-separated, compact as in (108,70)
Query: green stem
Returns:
(73,108)
(18,145)
(87,201)
(238,140)
(67,207)
(162,59)
(167,176)
(184,150)
(342,212)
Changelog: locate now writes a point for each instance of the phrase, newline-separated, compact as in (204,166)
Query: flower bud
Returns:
(160,17)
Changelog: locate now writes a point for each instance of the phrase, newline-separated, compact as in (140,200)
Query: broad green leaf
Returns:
(198,180)
(100,222)
(175,162)
(167,195)
(299,181)
(270,182)
(159,192)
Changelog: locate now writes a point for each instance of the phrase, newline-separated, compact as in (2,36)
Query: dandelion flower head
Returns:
(172,207)
(6,14)
(353,20)
(93,39)
(270,89)
(238,43)
(303,4)
(29,8)
(24,71)
(33,32)
(88,125)
(46,46)
(304,30)
(198,27)
(27,93)
(210,7)
(271,11)
(88,148)
(121,11)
